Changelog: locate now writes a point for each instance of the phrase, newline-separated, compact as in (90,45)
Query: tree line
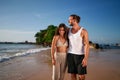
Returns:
(44,37)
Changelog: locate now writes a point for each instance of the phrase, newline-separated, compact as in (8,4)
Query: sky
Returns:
(20,20)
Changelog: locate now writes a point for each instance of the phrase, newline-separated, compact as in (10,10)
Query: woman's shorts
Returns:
(75,64)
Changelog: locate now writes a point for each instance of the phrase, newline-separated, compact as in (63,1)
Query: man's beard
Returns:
(71,24)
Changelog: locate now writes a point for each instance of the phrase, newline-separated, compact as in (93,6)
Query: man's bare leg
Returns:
(73,77)
(81,77)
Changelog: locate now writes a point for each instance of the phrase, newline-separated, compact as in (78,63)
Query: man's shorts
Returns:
(75,64)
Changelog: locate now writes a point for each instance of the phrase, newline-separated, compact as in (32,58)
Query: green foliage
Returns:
(46,35)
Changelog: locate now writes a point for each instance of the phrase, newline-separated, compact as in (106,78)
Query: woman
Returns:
(58,52)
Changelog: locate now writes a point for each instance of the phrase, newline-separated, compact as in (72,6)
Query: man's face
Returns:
(71,21)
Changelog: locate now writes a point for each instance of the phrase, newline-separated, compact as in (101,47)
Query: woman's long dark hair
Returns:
(62,25)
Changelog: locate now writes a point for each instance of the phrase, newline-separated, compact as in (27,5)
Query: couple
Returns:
(72,51)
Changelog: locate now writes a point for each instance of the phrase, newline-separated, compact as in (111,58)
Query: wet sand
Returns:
(102,65)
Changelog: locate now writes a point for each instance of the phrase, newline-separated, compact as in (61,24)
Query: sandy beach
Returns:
(102,65)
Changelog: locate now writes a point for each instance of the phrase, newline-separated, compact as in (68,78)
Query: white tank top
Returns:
(75,43)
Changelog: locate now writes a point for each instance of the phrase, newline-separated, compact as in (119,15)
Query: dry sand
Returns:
(102,65)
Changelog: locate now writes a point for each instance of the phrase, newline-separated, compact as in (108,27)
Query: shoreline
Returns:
(102,65)
(25,67)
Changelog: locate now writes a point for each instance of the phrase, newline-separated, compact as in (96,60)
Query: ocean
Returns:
(9,51)
(29,62)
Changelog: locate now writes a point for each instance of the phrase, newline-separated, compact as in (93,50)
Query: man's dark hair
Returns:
(76,17)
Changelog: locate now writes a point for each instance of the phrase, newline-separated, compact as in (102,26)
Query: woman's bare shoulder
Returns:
(56,37)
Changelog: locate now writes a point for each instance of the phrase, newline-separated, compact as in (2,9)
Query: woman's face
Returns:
(61,31)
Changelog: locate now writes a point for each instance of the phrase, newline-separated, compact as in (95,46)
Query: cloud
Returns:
(16,31)
(17,36)
(37,15)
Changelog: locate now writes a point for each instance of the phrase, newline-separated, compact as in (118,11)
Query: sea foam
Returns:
(18,54)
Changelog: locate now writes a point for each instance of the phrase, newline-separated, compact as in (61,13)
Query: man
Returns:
(78,49)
